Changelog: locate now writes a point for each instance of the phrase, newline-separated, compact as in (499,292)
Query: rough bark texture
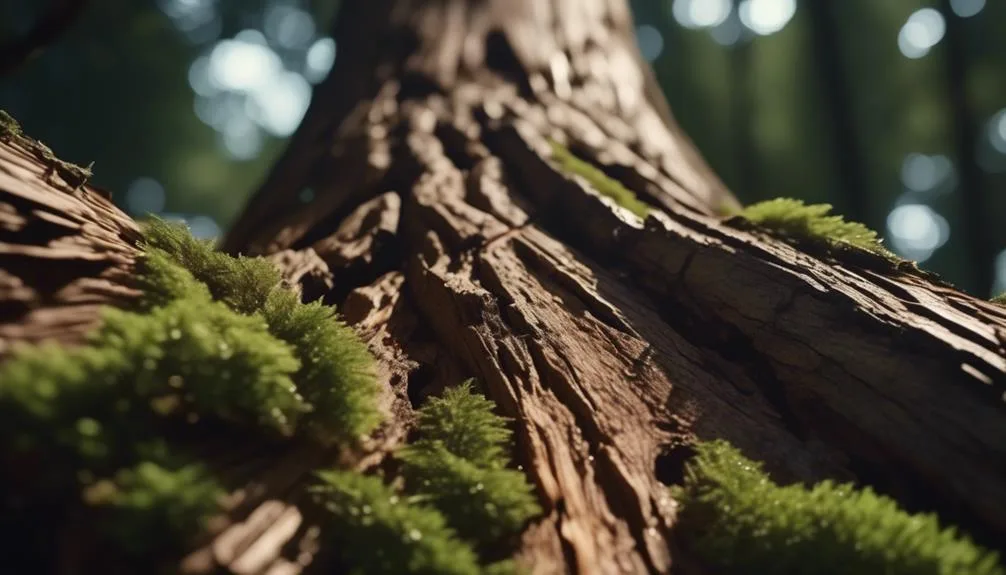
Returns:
(65,250)
(443,229)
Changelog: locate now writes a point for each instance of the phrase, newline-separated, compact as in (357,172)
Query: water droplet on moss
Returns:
(415,535)
(175,334)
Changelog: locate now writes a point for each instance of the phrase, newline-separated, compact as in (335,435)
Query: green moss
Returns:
(795,221)
(459,464)
(465,423)
(740,522)
(163,281)
(505,567)
(254,358)
(337,376)
(380,532)
(484,504)
(598,180)
(460,494)
(244,284)
(9,127)
(209,359)
(999,299)
(150,506)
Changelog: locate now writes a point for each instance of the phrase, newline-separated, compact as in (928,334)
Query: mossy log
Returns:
(453,238)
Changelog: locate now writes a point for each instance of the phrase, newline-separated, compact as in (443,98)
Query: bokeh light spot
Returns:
(242,66)
(1000,273)
(701,13)
(145,196)
(728,33)
(967,8)
(923,173)
(923,30)
(766,17)
(200,226)
(288,26)
(280,105)
(319,59)
(651,42)
(241,138)
(997,131)
(916,231)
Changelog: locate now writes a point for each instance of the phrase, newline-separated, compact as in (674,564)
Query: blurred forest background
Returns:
(892,110)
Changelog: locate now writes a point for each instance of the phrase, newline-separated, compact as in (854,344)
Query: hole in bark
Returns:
(501,58)
(670,464)
(419,380)
(500,55)
(454,146)
(416,86)
(47,280)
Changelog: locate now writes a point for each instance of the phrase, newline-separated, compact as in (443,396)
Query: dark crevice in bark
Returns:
(670,464)
(730,344)
(419,382)
(501,58)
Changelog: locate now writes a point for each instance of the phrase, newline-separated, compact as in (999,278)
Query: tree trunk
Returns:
(445,231)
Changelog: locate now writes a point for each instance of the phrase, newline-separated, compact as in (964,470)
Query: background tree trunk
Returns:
(447,234)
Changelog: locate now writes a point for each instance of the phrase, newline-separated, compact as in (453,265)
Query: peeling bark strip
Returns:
(609,339)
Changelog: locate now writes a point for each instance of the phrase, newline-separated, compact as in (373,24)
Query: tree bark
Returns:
(449,237)
(65,250)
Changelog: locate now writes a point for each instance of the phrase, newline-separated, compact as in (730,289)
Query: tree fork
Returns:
(445,230)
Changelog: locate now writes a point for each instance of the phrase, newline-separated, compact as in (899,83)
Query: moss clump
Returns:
(740,522)
(337,375)
(150,499)
(379,532)
(484,504)
(798,222)
(600,181)
(244,284)
(94,410)
(460,495)
(465,423)
(337,371)
(9,127)
(89,411)
(193,354)
(999,299)
(459,464)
